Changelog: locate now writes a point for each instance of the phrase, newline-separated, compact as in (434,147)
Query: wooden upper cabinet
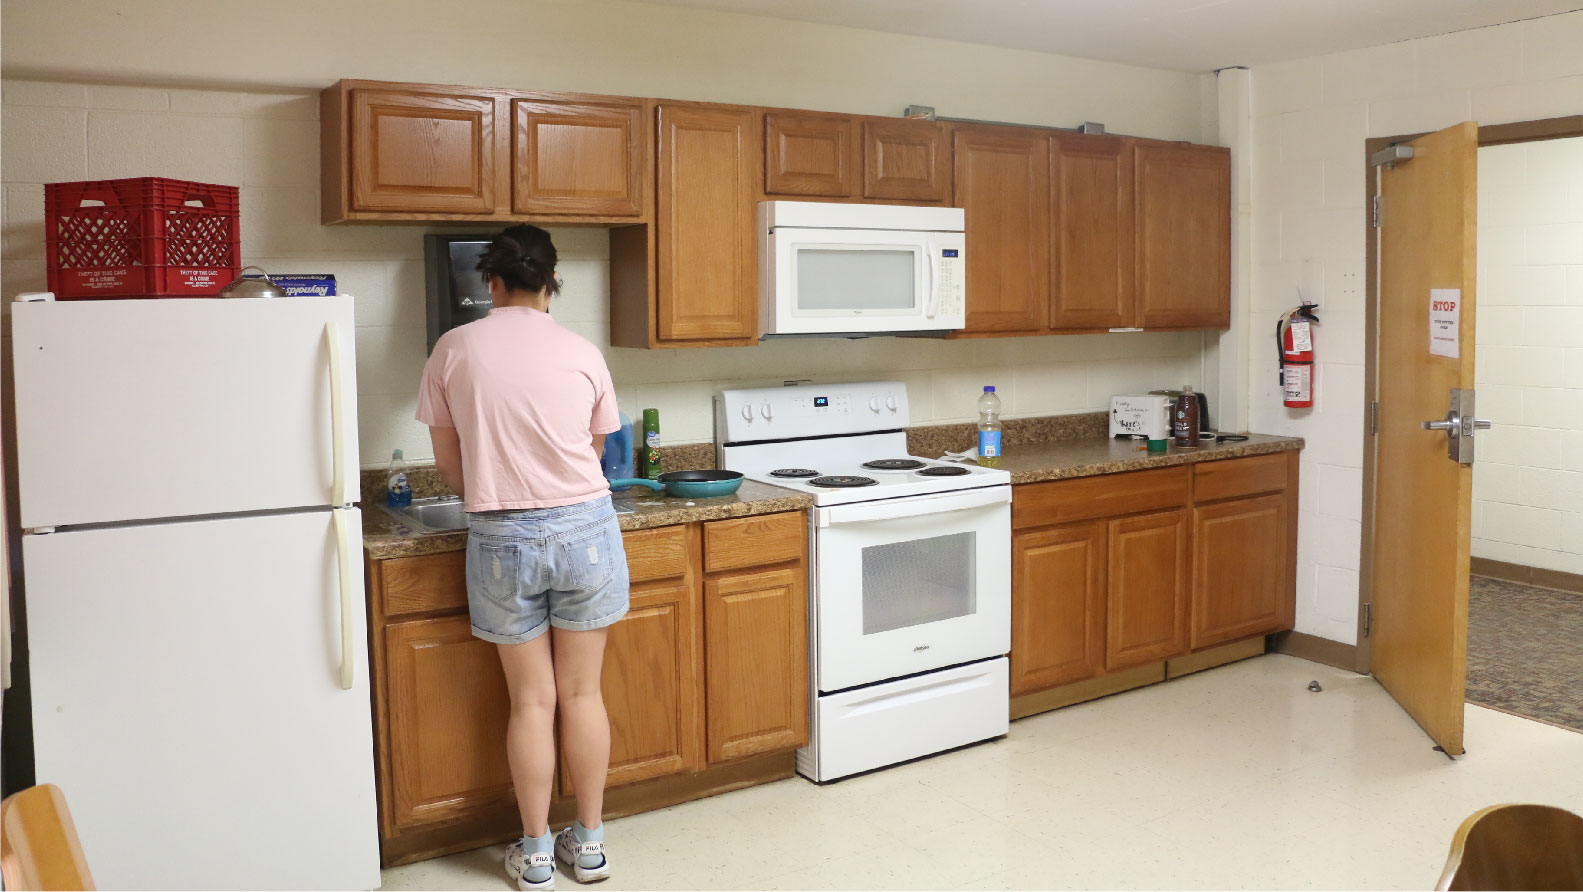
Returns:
(1147,589)
(1182,204)
(1091,262)
(448,709)
(584,158)
(424,152)
(906,160)
(1002,181)
(813,155)
(1058,605)
(756,625)
(707,288)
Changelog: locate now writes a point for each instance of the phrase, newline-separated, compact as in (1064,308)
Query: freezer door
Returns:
(140,409)
(187,697)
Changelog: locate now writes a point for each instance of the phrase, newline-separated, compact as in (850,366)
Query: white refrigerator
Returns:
(192,558)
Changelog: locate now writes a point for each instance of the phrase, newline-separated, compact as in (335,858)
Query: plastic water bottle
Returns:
(989,428)
(398,492)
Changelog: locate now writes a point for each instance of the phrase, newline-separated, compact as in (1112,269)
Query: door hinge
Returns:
(1374,417)
(1368,619)
(1376,211)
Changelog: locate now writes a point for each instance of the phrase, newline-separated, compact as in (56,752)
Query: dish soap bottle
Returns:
(989,428)
(617,459)
(398,492)
(651,444)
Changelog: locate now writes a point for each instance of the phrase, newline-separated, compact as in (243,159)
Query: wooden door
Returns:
(1002,181)
(429,153)
(756,628)
(1182,213)
(448,712)
(651,683)
(708,191)
(1091,249)
(906,160)
(1240,569)
(814,155)
(1146,616)
(1057,605)
(1422,498)
(582,158)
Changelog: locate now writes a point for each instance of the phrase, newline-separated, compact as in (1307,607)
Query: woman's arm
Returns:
(599,447)
(448,458)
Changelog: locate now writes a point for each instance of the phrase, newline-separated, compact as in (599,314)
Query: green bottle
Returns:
(651,444)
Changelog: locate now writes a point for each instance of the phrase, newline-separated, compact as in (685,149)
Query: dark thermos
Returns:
(1184,419)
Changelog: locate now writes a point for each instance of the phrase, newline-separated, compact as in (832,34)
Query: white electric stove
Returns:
(910,577)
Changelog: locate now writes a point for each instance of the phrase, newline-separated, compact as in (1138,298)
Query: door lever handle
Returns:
(1482,424)
(1451,423)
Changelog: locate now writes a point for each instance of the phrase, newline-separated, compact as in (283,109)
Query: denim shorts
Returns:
(532,569)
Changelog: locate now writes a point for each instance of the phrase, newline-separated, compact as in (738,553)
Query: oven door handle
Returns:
(893,509)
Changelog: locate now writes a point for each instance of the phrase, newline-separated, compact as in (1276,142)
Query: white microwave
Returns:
(854,270)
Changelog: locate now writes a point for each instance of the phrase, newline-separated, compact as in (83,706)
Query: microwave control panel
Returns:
(953,282)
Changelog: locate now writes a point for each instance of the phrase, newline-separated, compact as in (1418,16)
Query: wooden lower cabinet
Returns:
(1115,575)
(704,679)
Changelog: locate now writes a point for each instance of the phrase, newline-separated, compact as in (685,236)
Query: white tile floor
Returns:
(1234,778)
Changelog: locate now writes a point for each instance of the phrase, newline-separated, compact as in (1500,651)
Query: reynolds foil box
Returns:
(304,284)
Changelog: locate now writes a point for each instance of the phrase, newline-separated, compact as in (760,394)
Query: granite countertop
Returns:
(1089,456)
(385,536)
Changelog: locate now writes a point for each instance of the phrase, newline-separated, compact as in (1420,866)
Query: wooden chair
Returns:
(39,848)
(1516,847)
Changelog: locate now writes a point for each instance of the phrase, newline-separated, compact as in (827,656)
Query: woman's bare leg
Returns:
(530,735)
(585,729)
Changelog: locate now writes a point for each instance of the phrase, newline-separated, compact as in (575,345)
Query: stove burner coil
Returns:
(842,481)
(794,472)
(893,464)
(944,471)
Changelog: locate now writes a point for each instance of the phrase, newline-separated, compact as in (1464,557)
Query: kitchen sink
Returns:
(445,514)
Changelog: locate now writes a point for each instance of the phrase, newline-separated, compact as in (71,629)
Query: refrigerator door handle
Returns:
(332,334)
(343,553)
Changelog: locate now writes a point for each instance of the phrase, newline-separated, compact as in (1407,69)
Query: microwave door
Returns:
(833,281)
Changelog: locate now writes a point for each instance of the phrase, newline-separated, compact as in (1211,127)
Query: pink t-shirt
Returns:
(526,397)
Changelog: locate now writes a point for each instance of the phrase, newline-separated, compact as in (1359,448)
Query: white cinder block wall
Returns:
(1528,481)
(264,137)
(1310,119)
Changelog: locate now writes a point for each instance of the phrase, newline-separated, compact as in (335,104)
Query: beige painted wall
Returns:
(263,136)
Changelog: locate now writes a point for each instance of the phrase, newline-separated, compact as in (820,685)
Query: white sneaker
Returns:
(520,863)
(585,861)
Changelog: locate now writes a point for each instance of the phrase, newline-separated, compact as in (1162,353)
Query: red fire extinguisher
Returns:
(1294,346)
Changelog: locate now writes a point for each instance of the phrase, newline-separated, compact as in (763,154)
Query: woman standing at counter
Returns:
(518,408)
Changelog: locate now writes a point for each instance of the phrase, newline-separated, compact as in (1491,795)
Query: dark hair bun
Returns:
(523,257)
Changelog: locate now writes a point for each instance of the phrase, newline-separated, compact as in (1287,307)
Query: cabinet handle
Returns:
(343,554)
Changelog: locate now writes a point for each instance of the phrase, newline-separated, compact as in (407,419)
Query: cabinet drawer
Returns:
(754,541)
(1239,477)
(656,554)
(423,584)
(1108,495)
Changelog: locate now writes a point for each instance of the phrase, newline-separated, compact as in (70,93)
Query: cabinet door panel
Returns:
(808,155)
(448,712)
(1003,182)
(1147,609)
(653,662)
(1182,202)
(584,158)
(757,634)
(708,191)
(1091,263)
(906,161)
(423,152)
(1239,569)
(1058,606)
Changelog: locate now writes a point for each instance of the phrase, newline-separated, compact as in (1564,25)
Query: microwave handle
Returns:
(934,287)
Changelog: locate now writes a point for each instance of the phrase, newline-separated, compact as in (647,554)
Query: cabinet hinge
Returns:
(1376,211)
(1374,416)
(1368,619)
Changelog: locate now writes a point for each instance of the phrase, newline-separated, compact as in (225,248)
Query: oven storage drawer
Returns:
(892,722)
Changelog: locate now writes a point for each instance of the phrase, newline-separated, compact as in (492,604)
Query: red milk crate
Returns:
(140,237)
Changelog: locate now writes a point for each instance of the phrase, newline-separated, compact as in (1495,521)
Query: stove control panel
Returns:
(809,410)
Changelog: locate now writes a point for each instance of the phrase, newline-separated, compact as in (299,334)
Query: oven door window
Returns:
(919,581)
(856,278)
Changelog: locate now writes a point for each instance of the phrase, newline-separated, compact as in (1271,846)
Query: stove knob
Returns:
(747,412)
(766,411)
(890,402)
(873,404)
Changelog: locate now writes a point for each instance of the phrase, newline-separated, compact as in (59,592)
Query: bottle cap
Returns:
(651,416)
(989,388)
(1187,388)
(396,454)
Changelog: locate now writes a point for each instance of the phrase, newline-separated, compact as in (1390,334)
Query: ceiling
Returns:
(1186,35)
